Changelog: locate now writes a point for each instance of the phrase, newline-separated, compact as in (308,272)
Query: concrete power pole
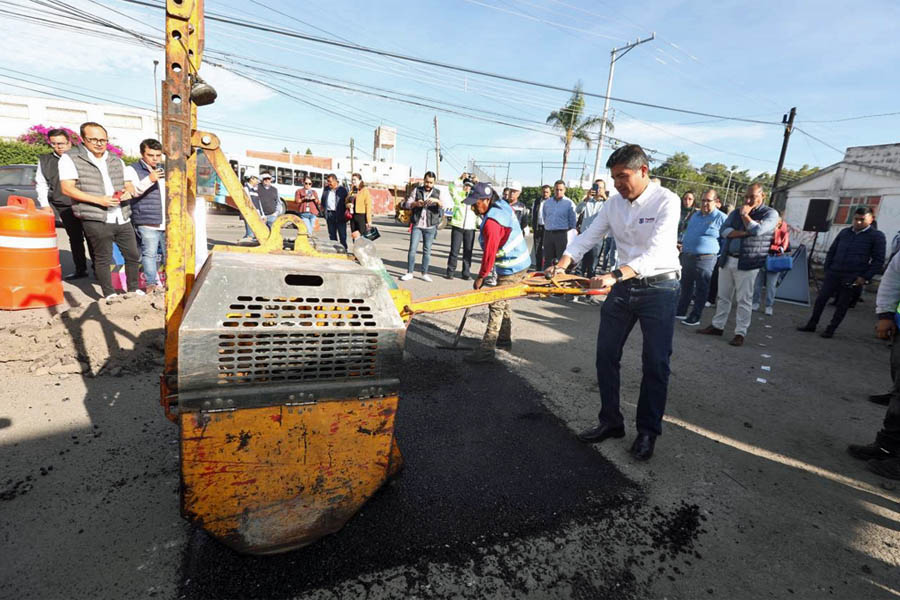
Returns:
(614,55)
(352,170)
(788,127)
(437,150)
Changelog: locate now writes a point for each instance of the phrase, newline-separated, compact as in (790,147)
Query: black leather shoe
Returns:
(882,399)
(889,467)
(828,333)
(599,433)
(76,275)
(809,327)
(449,274)
(466,277)
(870,452)
(642,448)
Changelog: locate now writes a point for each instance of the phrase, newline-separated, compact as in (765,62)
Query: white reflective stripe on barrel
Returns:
(8,241)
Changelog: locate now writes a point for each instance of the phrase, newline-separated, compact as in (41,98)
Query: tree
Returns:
(308,152)
(679,175)
(285,150)
(571,121)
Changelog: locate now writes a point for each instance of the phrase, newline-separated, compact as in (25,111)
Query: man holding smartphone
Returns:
(148,208)
(94,179)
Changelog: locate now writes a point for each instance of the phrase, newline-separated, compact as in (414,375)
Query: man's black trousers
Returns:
(101,237)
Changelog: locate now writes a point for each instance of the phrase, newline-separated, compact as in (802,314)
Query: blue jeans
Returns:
(153,242)
(654,307)
(268,220)
(426,234)
(309,220)
(337,227)
(696,272)
(771,280)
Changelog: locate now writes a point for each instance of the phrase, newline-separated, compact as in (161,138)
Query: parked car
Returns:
(18,180)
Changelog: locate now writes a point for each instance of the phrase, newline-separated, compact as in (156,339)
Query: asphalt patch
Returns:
(484,462)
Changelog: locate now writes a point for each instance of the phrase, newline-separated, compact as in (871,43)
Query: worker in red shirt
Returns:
(504,248)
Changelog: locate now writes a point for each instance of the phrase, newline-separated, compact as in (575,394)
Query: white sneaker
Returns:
(681,317)
(769,310)
(113,295)
(139,293)
(406,277)
(756,306)
(426,277)
(708,304)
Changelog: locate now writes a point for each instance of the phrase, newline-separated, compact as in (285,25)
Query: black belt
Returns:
(647,281)
(700,255)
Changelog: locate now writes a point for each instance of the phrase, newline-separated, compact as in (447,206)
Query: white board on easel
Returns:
(794,286)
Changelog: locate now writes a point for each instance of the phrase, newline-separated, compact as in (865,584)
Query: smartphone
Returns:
(595,188)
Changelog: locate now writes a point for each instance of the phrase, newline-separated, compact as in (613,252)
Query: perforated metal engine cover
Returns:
(271,329)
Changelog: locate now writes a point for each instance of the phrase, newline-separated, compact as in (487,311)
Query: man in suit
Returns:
(334,199)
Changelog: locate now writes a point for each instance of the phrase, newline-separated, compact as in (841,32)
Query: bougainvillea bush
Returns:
(37,136)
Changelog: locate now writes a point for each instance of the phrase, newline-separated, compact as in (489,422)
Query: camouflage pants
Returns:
(500,316)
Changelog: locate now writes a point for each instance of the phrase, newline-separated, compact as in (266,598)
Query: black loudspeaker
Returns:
(817,215)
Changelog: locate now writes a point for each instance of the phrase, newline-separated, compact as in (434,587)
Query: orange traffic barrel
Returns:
(30,275)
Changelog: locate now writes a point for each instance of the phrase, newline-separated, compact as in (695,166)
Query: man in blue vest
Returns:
(148,208)
(504,248)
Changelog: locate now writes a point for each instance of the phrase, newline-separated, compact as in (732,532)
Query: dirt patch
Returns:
(113,336)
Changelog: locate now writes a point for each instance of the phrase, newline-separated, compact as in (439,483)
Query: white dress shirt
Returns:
(645,230)
(42,187)
(142,185)
(67,171)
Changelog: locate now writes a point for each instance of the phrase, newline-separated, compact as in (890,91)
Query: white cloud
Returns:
(235,92)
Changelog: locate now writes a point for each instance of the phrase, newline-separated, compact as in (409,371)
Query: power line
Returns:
(824,143)
(413,59)
(857,118)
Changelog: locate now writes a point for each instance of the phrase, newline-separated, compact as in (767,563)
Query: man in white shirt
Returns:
(94,179)
(643,218)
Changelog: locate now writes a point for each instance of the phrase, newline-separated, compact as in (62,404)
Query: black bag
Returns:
(372,234)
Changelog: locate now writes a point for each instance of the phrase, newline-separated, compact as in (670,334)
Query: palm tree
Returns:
(571,121)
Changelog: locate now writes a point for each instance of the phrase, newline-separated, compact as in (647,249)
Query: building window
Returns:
(66,115)
(263,169)
(285,176)
(848,205)
(14,111)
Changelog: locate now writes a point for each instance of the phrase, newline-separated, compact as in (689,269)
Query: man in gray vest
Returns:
(50,192)
(94,179)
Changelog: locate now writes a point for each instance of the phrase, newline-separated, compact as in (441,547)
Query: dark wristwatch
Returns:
(618,275)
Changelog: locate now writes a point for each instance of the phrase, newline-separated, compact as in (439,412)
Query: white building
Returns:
(385,173)
(868,176)
(126,126)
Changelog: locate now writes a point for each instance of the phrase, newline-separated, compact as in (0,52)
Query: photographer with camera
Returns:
(148,212)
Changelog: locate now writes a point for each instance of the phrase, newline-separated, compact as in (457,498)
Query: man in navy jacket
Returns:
(855,256)
(334,202)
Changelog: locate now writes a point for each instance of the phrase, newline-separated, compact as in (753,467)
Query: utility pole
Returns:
(156,99)
(614,55)
(437,150)
(352,169)
(788,121)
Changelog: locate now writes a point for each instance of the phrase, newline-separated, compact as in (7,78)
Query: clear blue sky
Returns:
(755,60)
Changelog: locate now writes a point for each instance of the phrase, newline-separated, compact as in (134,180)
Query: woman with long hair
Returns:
(309,205)
(359,206)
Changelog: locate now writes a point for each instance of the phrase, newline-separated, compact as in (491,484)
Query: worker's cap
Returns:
(515,185)
(266,176)
(479,191)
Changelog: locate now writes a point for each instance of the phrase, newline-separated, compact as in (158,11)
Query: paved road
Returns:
(750,494)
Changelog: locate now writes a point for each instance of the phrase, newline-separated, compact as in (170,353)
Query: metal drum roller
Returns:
(287,379)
